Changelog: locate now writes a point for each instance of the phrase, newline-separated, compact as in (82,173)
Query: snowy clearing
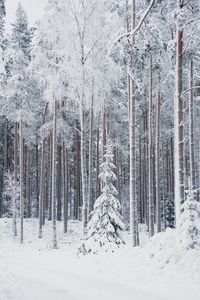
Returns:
(156,271)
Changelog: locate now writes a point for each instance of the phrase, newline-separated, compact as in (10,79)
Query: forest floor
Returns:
(154,271)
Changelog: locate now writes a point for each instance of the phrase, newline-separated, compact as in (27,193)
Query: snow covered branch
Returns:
(133,32)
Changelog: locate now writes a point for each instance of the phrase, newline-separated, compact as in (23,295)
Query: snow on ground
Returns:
(34,271)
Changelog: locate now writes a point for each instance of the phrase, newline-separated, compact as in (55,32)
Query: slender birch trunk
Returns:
(158,200)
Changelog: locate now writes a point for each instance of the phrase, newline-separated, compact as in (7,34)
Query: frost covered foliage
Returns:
(189,229)
(105,227)
(11,191)
(170,213)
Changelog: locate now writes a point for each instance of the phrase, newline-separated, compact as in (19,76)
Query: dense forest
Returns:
(100,100)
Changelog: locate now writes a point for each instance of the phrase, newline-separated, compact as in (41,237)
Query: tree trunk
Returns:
(158,201)
(98,186)
(90,179)
(54,202)
(37,178)
(21,183)
(5,148)
(132,125)
(42,179)
(150,148)
(191,132)
(178,124)
(65,186)
(59,183)
(50,179)
(15,181)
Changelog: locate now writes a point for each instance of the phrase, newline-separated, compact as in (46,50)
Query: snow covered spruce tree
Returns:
(105,227)
(189,226)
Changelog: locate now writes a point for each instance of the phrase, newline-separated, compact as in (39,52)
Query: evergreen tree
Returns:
(21,33)
(170,213)
(189,229)
(105,226)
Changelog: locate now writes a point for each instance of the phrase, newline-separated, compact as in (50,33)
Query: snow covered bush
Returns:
(189,229)
(104,230)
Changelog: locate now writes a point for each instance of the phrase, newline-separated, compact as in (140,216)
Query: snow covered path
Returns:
(38,277)
(36,272)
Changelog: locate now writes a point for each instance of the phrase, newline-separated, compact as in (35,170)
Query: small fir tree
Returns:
(189,229)
(170,212)
(105,226)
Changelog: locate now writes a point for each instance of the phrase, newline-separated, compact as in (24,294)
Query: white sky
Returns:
(34,9)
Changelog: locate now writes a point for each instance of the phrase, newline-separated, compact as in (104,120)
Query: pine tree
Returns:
(21,33)
(105,226)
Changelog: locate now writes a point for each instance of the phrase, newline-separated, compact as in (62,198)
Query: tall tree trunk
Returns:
(65,186)
(191,132)
(54,202)
(178,124)
(21,183)
(15,181)
(90,178)
(104,133)
(77,202)
(59,183)
(5,148)
(50,178)
(83,163)
(133,199)
(98,185)
(150,146)
(42,178)
(158,201)
(37,178)
(28,200)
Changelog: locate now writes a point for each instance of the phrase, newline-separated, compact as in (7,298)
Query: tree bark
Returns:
(150,152)
(178,123)
(15,181)
(158,201)
(191,132)
(21,183)
(133,199)
(54,146)
(65,186)
(90,179)
(42,179)
(59,183)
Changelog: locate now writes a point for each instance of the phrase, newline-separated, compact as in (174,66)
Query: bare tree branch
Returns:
(188,90)
(133,32)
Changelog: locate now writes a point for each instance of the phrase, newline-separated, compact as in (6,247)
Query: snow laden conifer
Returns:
(105,227)
(189,228)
